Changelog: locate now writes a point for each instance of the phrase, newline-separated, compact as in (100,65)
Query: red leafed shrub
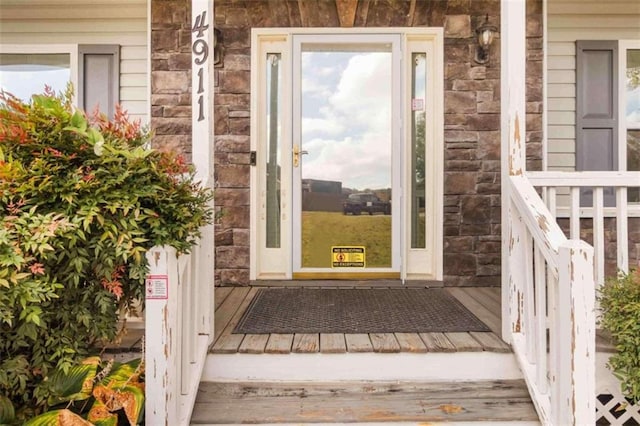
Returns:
(84,199)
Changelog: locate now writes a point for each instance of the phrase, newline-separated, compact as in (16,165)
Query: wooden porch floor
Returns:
(483,302)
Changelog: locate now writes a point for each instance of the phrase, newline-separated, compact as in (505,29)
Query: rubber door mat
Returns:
(286,310)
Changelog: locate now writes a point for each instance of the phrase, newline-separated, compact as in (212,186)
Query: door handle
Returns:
(296,155)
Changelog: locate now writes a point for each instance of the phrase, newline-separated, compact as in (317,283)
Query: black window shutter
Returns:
(597,110)
(99,77)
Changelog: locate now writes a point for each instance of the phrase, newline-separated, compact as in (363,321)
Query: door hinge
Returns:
(252,158)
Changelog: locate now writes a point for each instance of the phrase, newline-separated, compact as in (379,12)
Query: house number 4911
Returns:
(201,50)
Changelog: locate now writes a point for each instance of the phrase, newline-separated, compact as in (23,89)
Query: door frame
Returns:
(277,263)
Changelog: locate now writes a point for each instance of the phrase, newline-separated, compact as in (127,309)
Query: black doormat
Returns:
(302,310)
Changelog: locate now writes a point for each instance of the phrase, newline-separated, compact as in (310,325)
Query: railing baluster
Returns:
(598,233)
(529,323)
(622,229)
(574,214)
(183,350)
(541,321)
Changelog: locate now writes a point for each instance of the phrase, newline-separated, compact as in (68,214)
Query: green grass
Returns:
(321,230)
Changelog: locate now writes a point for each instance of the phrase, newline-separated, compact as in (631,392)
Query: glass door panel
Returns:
(344,160)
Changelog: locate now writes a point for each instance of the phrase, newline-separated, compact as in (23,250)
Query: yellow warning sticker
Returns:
(347,257)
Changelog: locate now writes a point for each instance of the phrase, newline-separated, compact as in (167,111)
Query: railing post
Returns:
(575,390)
(162,338)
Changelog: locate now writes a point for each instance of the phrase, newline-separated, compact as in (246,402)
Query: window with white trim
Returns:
(93,70)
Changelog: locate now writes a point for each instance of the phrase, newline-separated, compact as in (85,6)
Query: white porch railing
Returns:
(551,310)
(179,329)
(553,281)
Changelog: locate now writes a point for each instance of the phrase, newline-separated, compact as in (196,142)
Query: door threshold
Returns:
(348,283)
(346,275)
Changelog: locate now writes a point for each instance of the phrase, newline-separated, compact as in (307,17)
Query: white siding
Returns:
(122,22)
(568,21)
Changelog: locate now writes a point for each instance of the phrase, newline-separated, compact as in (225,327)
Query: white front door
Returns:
(347,134)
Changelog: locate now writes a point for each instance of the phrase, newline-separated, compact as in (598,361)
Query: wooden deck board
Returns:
(464,342)
(332,343)
(384,342)
(467,298)
(437,342)
(236,403)
(358,343)
(306,343)
(279,344)
(253,344)
(221,293)
(411,342)
(491,342)
(228,309)
(237,303)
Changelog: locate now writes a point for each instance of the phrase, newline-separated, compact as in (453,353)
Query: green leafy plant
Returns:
(620,303)
(85,199)
(103,394)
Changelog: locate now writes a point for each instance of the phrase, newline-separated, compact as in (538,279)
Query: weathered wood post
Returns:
(574,384)
(162,338)
(513,115)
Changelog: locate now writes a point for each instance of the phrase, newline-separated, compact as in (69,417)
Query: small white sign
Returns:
(417,104)
(157,287)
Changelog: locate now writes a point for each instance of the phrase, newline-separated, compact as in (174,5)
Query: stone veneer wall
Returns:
(472,115)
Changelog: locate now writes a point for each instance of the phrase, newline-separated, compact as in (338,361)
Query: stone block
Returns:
(177,111)
(488,246)
(232,197)
(456,54)
(457,155)
(232,176)
(475,209)
(459,102)
(174,143)
(236,17)
(238,158)
(223,237)
(478,73)
(229,257)
(221,125)
(164,41)
(451,230)
(234,277)
(457,26)
(489,107)
(459,183)
(463,165)
(489,145)
(488,188)
(235,81)
(237,38)
(475,229)
(237,62)
(459,244)
(241,237)
(232,217)
(173,126)
(232,143)
(456,71)
(170,82)
(234,101)
(484,122)
(179,62)
(461,136)
(459,264)
(455,121)
(240,126)
(475,86)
